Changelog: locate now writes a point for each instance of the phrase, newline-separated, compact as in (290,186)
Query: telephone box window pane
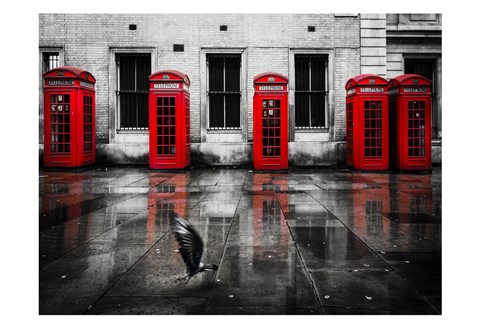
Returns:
(166,126)
(87,124)
(271,128)
(224,90)
(373,128)
(60,123)
(310,91)
(416,128)
(349,129)
(132,93)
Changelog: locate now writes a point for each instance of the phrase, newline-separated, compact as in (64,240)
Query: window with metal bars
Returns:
(133,70)
(51,60)
(311,91)
(426,67)
(223,91)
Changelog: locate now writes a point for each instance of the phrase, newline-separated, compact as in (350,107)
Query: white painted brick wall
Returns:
(87,38)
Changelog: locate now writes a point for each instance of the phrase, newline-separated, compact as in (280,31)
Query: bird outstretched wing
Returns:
(190,243)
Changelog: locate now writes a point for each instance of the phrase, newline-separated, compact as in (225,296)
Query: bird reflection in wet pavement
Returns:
(190,247)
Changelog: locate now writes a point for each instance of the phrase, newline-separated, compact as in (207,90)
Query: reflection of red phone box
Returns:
(69,117)
(169,113)
(410,105)
(367,122)
(270,122)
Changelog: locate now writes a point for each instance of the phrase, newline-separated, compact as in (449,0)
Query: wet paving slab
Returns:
(71,284)
(333,248)
(262,277)
(363,290)
(300,242)
(156,273)
(148,305)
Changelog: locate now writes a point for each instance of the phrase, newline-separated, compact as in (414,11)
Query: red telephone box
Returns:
(169,113)
(69,117)
(270,122)
(367,122)
(410,105)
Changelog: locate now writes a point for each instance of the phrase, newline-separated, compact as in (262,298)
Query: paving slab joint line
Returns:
(303,262)
(92,238)
(123,275)
(221,257)
(381,259)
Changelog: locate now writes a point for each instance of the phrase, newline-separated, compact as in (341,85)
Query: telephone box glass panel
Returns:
(350,129)
(60,123)
(187,129)
(271,127)
(87,124)
(166,126)
(416,128)
(373,128)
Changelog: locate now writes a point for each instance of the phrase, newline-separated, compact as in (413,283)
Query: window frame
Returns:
(436,89)
(311,92)
(61,62)
(115,134)
(118,92)
(312,134)
(222,135)
(223,93)
(45,65)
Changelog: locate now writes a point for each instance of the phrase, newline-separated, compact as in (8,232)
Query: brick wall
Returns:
(347,65)
(267,40)
(262,60)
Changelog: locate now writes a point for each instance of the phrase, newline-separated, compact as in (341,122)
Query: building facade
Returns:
(221,54)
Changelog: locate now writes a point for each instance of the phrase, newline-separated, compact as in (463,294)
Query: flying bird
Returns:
(190,247)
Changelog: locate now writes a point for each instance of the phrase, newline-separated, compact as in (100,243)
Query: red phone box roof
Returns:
(409,80)
(366,79)
(69,72)
(170,76)
(270,77)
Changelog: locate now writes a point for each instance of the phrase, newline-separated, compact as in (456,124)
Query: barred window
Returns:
(223,91)
(426,67)
(311,91)
(51,60)
(133,70)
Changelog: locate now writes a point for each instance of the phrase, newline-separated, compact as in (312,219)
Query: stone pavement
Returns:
(300,242)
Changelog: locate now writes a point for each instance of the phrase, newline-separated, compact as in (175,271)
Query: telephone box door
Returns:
(69,117)
(169,107)
(59,130)
(270,139)
(410,103)
(367,122)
